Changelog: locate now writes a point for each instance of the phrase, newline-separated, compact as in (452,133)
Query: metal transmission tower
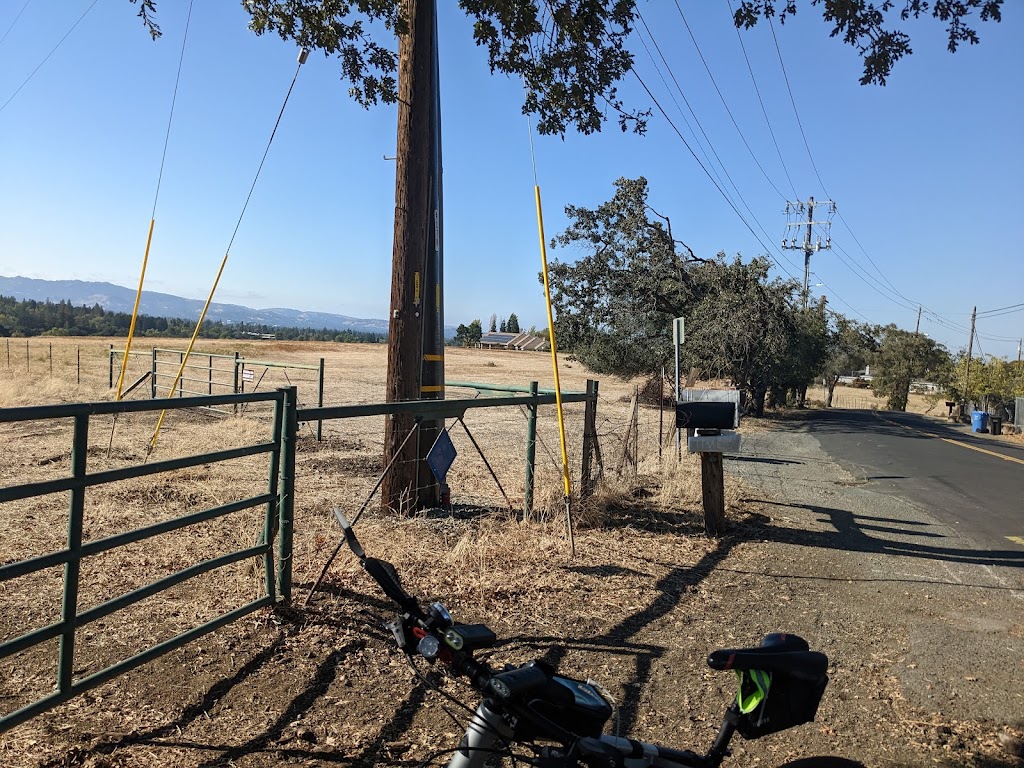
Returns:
(794,213)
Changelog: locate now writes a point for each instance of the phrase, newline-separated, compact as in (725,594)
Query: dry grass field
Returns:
(316,685)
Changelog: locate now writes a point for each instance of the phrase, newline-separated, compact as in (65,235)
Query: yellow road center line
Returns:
(1017,539)
(954,442)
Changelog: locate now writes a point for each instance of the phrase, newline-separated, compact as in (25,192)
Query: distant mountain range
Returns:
(116,298)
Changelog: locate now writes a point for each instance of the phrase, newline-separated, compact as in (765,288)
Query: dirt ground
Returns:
(645,599)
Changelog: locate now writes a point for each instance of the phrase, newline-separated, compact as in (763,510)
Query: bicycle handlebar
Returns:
(521,703)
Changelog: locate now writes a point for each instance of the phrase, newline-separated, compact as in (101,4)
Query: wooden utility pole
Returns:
(917,328)
(970,350)
(401,490)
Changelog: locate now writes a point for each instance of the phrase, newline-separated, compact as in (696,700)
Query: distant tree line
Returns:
(62,318)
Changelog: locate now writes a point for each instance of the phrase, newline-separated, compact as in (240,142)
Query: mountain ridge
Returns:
(116,298)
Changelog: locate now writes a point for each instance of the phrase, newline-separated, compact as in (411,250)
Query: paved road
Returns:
(970,481)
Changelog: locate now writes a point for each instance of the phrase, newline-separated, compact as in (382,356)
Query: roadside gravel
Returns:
(926,636)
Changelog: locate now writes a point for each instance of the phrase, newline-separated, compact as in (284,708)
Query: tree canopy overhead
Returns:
(571,54)
(873,28)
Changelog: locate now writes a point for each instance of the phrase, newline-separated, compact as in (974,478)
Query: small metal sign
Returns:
(441,456)
(248,374)
(678,331)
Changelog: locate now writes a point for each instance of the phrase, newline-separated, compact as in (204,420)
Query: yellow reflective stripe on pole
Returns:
(191,343)
(135,310)
(554,346)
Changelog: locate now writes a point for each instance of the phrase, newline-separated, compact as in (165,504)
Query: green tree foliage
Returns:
(467,335)
(873,28)
(493,326)
(902,357)
(994,382)
(513,324)
(615,302)
(746,327)
(850,348)
(570,54)
(46,318)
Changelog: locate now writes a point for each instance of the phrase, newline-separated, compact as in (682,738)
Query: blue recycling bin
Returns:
(979,421)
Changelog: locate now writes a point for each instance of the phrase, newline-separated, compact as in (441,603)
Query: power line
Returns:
(54,50)
(764,111)
(725,103)
(792,101)
(1003,310)
(706,138)
(15,21)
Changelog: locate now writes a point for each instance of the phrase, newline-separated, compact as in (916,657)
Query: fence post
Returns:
(28,366)
(152,375)
(69,609)
(209,386)
(271,521)
(234,382)
(181,378)
(589,428)
(110,365)
(78,367)
(531,451)
(320,402)
(51,359)
(286,496)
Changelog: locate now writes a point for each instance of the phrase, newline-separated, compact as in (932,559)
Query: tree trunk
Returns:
(758,401)
(400,489)
(832,381)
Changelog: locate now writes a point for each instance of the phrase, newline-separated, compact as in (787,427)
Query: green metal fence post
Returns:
(531,450)
(110,364)
(320,402)
(234,382)
(209,376)
(589,438)
(271,522)
(286,505)
(152,375)
(69,610)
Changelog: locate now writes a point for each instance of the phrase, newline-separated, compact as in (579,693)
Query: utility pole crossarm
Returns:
(794,210)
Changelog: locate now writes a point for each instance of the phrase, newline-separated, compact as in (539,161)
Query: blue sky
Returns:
(926,171)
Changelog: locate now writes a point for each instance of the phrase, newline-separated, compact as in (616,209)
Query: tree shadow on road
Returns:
(855,533)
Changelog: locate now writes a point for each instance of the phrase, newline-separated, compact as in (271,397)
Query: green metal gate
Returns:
(277,527)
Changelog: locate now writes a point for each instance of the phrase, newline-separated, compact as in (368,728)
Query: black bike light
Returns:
(470,637)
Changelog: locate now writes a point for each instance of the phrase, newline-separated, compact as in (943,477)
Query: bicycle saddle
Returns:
(778,652)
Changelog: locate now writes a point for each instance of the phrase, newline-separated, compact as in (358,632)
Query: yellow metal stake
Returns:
(566,480)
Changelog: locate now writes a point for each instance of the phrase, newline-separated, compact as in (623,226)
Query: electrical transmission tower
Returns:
(794,213)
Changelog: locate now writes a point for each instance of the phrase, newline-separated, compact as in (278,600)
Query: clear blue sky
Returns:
(926,171)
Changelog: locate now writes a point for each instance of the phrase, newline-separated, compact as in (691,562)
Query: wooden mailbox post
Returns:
(710,417)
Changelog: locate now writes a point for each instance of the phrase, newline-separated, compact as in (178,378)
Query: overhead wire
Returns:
(725,104)
(15,21)
(764,111)
(227,251)
(152,217)
(936,317)
(47,58)
(721,186)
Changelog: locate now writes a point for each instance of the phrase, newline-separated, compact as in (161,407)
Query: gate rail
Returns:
(276,524)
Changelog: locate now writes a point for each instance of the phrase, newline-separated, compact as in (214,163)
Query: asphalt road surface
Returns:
(974,482)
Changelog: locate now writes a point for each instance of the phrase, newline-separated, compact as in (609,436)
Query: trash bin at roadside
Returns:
(979,421)
(995,425)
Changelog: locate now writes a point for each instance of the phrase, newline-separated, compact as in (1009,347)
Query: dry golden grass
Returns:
(340,471)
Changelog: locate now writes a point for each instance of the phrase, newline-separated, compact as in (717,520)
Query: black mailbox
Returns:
(705,415)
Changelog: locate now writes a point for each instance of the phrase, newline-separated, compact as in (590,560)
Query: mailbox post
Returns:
(713,418)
